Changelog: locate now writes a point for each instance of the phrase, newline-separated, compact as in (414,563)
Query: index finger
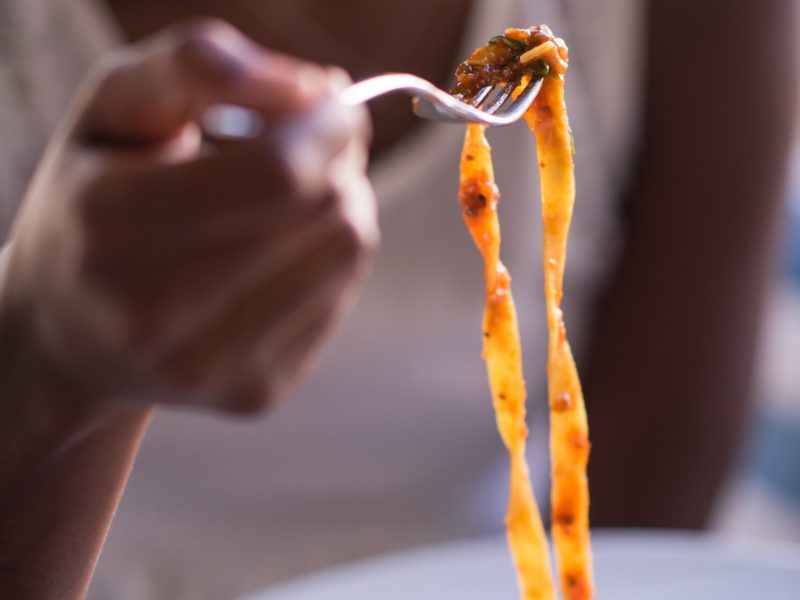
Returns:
(150,91)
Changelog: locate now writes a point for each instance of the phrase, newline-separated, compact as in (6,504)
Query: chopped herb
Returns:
(540,69)
(571,140)
(516,47)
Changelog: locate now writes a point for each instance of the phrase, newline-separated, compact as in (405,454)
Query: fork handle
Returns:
(428,101)
(380,85)
(226,121)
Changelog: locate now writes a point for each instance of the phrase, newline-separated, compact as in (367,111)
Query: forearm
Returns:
(55,513)
(62,471)
(669,369)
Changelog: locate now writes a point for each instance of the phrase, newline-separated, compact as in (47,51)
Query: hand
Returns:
(145,265)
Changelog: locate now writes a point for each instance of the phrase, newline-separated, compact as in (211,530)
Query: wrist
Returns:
(64,460)
(40,410)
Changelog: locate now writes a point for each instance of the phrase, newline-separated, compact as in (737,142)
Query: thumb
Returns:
(148,92)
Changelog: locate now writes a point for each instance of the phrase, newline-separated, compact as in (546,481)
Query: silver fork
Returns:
(489,106)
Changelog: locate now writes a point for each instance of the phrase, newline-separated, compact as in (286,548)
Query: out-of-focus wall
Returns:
(764,498)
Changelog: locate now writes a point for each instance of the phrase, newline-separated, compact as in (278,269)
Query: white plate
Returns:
(629,566)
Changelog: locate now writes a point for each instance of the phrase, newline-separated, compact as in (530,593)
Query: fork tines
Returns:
(492,97)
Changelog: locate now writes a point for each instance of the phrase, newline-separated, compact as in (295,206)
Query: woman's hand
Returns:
(146,265)
(150,267)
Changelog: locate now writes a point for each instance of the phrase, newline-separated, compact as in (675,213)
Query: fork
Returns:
(491,105)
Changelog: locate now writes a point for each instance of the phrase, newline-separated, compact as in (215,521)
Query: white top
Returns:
(391,441)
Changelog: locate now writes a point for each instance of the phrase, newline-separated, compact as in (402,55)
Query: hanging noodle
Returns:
(517,56)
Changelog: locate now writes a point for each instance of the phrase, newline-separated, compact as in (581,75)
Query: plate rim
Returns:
(666,544)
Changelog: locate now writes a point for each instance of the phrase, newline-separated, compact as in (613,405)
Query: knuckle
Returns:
(337,125)
(338,78)
(357,214)
(363,123)
(250,395)
(350,239)
(356,121)
(201,29)
(201,49)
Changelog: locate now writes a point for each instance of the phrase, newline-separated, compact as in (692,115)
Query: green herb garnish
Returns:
(540,69)
(516,47)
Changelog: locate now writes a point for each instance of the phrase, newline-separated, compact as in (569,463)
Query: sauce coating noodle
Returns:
(569,439)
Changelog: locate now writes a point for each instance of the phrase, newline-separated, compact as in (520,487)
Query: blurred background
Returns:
(764,497)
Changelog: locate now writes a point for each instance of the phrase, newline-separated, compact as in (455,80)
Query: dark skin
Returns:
(667,409)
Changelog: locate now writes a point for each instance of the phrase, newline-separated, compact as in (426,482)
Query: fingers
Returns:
(226,193)
(171,291)
(256,328)
(254,345)
(257,187)
(221,270)
(267,376)
(173,286)
(150,91)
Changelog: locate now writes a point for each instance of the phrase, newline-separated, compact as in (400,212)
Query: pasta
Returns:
(517,56)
